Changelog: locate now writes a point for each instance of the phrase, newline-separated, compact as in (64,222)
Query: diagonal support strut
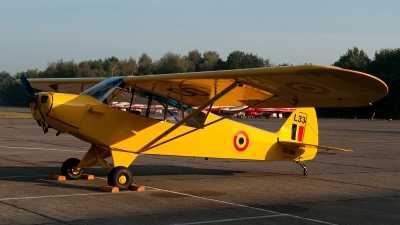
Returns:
(190,116)
(215,121)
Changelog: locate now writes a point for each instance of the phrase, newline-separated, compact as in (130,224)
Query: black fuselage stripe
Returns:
(64,122)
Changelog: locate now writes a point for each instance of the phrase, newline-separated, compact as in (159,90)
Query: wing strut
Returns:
(190,116)
(233,113)
(215,121)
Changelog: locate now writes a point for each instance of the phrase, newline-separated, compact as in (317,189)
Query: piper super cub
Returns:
(82,107)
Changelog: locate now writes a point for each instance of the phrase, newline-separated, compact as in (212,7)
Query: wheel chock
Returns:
(87,177)
(58,177)
(136,187)
(112,189)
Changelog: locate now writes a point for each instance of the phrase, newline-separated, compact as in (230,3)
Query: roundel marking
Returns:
(241,141)
(310,88)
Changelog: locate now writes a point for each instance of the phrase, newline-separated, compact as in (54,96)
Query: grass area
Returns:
(14,115)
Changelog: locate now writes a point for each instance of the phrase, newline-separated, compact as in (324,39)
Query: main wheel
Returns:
(120,176)
(67,169)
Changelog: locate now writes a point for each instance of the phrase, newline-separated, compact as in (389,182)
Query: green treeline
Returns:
(385,65)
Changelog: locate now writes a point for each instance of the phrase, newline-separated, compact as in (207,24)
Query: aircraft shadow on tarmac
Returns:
(38,175)
(151,170)
(161,169)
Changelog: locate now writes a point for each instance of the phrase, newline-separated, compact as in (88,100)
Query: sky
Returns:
(35,33)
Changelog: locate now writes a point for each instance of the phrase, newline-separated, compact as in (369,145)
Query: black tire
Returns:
(68,165)
(120,176)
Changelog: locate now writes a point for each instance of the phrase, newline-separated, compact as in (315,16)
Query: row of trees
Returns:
(13,94)
(194,61)
(385,65)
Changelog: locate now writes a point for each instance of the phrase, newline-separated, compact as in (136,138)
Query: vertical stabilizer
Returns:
(299,129)
(301,126)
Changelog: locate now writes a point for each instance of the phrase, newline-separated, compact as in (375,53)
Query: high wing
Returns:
(64,85)
(299,86)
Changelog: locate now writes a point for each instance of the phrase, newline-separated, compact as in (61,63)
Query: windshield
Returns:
(101,90)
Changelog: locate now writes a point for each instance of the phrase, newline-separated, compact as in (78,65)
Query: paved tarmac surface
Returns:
(15,109)
(341,188)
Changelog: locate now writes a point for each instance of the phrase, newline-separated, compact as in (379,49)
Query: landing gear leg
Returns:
(305,171)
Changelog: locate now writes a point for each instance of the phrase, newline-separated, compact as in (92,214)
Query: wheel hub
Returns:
(75,171)
(122,179)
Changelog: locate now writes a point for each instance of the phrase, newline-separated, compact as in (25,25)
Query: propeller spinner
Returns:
(34,99)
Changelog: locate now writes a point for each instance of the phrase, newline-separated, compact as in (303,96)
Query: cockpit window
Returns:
(171,102)
(143,103)
(103,89)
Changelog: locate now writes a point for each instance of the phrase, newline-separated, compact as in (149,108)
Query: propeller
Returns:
(34,99)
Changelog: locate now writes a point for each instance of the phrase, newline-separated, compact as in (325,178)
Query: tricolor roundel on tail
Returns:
(298,126)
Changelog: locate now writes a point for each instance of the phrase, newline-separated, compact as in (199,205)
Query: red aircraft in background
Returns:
(259,112)
(219,110)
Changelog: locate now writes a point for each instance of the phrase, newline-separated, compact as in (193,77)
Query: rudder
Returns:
(301,127)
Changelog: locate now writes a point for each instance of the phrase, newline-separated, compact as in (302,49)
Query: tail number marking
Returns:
(299,118)
(288,151)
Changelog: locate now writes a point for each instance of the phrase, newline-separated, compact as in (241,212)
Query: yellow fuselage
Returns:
(122,132)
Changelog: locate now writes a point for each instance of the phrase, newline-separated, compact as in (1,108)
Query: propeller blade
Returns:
(27,87)
(33,98)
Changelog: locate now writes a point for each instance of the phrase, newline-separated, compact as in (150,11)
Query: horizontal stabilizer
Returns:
(298,145)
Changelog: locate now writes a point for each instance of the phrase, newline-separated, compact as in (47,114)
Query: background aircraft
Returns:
(258,112)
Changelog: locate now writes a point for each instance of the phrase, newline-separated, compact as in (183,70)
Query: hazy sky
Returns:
(34,33)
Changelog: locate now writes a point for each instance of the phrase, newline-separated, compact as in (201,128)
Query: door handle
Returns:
(96,111)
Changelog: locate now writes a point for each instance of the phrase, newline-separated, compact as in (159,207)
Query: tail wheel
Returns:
(120,176)
(68,169)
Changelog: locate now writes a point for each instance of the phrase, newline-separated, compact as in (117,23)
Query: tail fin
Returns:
(300,127)
(301,131)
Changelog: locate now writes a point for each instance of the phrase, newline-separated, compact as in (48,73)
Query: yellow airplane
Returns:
(81,107)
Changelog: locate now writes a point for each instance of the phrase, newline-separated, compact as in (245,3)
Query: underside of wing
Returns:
(64,85)
(298,145)
(296,86)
